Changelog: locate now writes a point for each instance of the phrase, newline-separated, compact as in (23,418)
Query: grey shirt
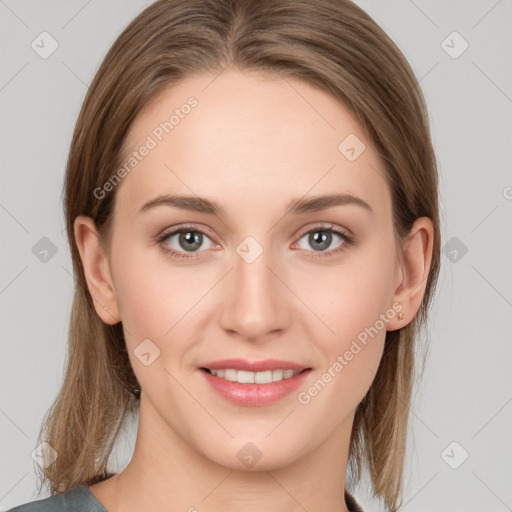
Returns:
(78,499)
(81,499)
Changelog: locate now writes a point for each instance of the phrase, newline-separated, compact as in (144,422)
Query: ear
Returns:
(412,272)
(96,270)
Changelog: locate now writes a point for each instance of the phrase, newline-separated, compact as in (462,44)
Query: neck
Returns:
(168,474)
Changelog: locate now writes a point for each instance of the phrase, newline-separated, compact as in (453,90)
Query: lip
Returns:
(253,366)
(255,395)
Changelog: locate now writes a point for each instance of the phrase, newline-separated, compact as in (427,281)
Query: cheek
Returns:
(161,302)
(351,296)
(351,350)
(153,299)
(353,302)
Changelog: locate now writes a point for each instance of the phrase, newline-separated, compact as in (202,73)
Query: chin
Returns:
(253,455)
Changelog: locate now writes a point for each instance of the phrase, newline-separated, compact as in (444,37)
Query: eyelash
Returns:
(346,238)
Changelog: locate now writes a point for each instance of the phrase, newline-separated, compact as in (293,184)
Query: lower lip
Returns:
(255,394)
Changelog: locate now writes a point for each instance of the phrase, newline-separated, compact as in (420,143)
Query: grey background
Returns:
(466,393)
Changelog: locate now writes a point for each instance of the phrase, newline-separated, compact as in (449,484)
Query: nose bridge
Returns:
(255,305)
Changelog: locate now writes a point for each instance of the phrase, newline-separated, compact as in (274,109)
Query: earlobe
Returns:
(96,270)
(414,271)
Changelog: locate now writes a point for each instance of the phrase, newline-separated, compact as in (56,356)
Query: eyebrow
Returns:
(295,206)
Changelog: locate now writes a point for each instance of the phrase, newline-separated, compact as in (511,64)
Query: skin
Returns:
(252,144)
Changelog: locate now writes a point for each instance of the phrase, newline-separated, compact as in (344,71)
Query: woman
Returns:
(251,204)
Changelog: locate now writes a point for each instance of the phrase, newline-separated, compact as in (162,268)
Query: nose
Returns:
(256,302)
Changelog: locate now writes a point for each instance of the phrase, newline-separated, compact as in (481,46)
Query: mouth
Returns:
(251,377)
(254,383)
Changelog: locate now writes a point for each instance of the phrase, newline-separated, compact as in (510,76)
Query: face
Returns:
(262,276)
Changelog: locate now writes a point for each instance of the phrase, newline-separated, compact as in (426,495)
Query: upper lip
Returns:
(253,366)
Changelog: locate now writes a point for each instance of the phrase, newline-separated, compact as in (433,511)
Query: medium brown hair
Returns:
(330,44)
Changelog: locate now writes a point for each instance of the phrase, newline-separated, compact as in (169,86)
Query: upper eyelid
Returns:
(327,226)
(173,231)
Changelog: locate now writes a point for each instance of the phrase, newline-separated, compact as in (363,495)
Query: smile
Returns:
(248,377)
(247,388)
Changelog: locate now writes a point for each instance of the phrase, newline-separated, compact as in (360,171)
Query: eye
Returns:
(183,240)
(321,238)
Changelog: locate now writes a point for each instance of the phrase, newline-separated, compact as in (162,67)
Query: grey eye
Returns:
(321,239)
(188,240)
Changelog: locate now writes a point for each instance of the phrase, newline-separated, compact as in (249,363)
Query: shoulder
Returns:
(78,499)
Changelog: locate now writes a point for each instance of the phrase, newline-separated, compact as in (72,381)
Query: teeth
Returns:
(245,377)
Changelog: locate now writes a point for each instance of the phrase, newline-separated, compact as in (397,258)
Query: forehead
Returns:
(249,139)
